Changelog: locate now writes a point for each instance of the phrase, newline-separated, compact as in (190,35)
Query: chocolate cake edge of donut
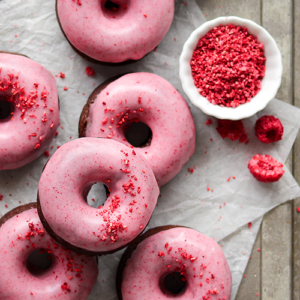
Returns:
(14,53)
(70,246)
(86,109)
(132,247)
(17,210)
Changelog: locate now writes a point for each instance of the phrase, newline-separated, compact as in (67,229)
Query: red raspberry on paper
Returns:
(230,129)
(265,168)
(268,129)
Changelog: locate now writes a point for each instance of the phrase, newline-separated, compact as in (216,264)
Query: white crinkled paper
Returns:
(30,27)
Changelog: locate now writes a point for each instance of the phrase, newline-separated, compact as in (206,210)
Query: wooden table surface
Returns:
(274,271)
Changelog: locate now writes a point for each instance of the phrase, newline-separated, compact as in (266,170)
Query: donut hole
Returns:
(6,107)
(114,8)
(39,262)
(173,284)
(111,6)
(138,134)
(96,194)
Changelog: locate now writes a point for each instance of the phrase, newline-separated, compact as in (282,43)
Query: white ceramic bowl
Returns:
(269,84)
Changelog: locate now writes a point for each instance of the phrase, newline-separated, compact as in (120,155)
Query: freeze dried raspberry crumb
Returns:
(78,2)
(243,138)
(89,71)
(265,168)
(1,197)
(228,65)
(65,287)
(208,122)
(230,129)
(268,129)
(191,170)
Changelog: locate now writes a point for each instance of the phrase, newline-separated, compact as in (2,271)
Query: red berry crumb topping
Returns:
(65,287)
(265,168)
(89,71)
(78,2)
(228,65)
(230,129)
(208,122)
(268,129)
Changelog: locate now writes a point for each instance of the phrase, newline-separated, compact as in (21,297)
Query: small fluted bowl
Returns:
(269,84)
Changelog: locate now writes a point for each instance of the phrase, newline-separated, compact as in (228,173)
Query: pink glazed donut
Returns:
(172,255)
(69,277)
(66,181)
(149,99)
(29,112)
(115,31)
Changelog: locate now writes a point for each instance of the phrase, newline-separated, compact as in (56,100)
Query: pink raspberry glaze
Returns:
(194,255)
(131,32)
(71,276)
(155,102)
(69,175)
(28,133)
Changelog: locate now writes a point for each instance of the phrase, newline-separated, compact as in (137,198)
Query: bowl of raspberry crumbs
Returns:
(230,68)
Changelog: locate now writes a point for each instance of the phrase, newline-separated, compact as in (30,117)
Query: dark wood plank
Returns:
(296,214)
(276,272)
(250,285)
(249,9)
(276,254)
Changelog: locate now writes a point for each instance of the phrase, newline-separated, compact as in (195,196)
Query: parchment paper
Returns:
(30,27)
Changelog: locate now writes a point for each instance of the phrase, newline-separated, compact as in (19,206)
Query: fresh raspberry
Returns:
(265,168)
(230,129)
(268,129)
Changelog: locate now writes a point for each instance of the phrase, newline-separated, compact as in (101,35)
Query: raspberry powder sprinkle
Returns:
(228,65)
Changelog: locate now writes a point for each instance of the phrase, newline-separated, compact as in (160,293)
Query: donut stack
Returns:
(62,226)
